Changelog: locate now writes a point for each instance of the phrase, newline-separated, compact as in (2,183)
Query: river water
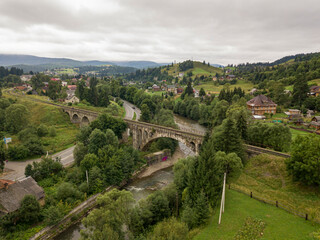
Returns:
(141,188)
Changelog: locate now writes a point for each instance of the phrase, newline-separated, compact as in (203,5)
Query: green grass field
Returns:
(69,71)
(198,69)
(211,88)
(278,223)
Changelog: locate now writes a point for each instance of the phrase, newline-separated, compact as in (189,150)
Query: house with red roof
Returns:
(72,87)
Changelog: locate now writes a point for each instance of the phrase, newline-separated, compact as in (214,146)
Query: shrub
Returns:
(42,130)
(52,131)
(169,229)
(43,169)
(29,211)
(67,192)
(52,215)
(25,134)
(18,152)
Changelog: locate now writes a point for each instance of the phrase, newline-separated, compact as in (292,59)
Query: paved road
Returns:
(130,110)
(19,166)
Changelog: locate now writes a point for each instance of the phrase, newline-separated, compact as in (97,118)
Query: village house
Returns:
(196,93)
(72,87)
(310,113)
(180,90)
(25,78)
(293,114)
(55,79)
(21,88)
(72,99)
(156,88)
(63,83)
(315,91)
(260,105)
(230,77)
(315,123)
(228,70)
(12,193)
(214,79)
(171,88)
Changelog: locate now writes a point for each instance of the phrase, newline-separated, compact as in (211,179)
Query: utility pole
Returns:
(87,178)
(223,197)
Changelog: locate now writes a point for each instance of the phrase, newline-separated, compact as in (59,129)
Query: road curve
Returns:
(18,167)
(130,110)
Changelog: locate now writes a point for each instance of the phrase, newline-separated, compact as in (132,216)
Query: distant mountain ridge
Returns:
(29,61)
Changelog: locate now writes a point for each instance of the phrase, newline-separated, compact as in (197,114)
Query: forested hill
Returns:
(285,69)
(36,64)
(192,69)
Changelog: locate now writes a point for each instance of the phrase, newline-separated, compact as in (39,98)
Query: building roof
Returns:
(72,87)
(314,88)
(316,118)
(261,100)
(11,196)
(71,96)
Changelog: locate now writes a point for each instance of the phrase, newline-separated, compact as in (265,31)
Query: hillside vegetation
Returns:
(266,177)
(197,70)
(41,113)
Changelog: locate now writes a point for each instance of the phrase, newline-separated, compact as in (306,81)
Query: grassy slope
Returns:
(198,69)
(267,178)
(211,88)
(50,116)
(279,224)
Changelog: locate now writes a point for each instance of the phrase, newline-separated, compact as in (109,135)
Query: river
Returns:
(141,188)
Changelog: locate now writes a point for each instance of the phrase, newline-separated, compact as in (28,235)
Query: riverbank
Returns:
(163,165)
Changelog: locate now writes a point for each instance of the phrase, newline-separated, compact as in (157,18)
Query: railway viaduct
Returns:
(144,133)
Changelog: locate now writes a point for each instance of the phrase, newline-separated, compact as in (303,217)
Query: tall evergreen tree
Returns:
(300,89)
(226,138)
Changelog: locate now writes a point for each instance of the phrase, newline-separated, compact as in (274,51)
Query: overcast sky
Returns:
(218,31)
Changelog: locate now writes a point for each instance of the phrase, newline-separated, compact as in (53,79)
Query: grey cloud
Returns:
(218,31)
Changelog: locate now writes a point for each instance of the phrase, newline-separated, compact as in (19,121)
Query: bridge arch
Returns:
(75,118)
(85,121)
(190,143)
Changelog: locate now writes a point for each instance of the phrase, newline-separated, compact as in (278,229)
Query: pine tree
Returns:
(227,139)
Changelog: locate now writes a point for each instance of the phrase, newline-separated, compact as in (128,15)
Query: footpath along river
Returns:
(141,188)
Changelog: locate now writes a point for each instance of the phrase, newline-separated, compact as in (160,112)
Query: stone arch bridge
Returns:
(142,133)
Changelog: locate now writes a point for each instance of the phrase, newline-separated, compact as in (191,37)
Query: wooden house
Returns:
(260,105)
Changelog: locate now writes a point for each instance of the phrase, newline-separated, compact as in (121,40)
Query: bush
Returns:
(42,130)
(34,146)
(29,132)
(304,164)
(169,229)
(52,131)
(67,192)
(18,152)
(29,211)
(53,215)
(44,169)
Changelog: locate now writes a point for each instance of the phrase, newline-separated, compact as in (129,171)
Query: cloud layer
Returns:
(218,31)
